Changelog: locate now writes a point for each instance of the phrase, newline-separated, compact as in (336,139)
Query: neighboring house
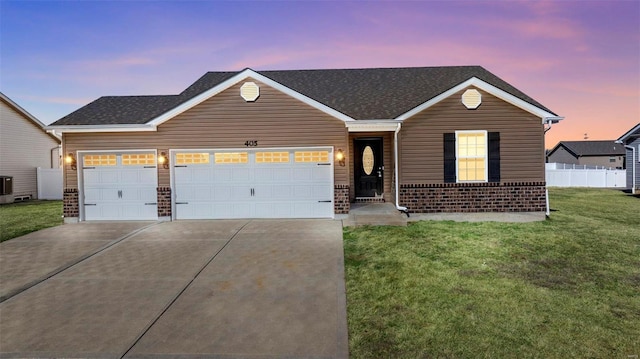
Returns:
(24,146)
(592,153)
(307,143)
(631,141)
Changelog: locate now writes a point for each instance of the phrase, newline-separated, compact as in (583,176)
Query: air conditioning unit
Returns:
(6,185)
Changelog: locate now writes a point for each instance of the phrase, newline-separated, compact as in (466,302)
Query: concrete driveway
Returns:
(206,289)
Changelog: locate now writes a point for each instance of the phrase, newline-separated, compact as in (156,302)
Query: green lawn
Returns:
(20,218)
(568,287)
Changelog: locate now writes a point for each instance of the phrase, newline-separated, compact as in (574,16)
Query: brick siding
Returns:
(164,201)
(70,206)
(370,200)
(341,203)
(474,197)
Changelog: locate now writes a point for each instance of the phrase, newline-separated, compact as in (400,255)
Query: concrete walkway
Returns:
(206,289)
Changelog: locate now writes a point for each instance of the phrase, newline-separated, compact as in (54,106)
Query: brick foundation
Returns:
(70,207)
(370,200)
(341,203)
(164,201)
(474,197)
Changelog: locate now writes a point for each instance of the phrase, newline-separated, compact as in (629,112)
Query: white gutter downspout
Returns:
(395,159)
(633,167)
(548,121)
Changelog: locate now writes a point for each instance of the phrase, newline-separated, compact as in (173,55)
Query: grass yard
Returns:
(20,218)
(568,287)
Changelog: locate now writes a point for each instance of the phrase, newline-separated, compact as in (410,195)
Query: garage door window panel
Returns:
(139,159)
(188,158)
(98,160)
(312,156)
(272,157)
(231,157)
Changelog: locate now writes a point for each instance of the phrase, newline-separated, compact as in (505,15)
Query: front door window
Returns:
(367,160)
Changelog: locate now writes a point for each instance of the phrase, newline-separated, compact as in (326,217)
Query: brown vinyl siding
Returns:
(521,139)
(227,121)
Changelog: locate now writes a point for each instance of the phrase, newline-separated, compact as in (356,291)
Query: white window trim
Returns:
(486,156)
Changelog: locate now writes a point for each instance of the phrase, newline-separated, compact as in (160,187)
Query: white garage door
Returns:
(119,186)
(274,183)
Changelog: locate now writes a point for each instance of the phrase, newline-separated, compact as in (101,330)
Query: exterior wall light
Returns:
(340,157)
(71,161)
(163,160)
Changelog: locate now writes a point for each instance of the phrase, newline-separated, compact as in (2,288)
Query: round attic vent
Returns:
(249,91)
(471,99)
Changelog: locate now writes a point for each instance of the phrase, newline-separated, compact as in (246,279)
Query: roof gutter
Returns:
(102,128)
(549,121)
(395,159)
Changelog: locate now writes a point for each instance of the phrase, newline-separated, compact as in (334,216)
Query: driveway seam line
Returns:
(175,298)
(76,261)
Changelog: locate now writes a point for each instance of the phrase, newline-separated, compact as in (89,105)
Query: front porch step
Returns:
(375,214)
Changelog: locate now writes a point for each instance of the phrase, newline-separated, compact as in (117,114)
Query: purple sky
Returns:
(581,59)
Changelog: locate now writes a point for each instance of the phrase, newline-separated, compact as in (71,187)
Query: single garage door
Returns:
(120,186)
(268,183)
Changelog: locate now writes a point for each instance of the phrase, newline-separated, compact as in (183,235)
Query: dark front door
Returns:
(368,166)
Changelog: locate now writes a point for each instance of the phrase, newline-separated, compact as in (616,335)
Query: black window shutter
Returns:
(449,157)
(494,156)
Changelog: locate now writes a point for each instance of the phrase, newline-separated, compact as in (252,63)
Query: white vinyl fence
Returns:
(49,183)
(570,175)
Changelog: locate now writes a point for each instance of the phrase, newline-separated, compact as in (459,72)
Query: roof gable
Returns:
(475,82)
(246,74)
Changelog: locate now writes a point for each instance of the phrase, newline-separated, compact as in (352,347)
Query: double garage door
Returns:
(210,184)
(273,183)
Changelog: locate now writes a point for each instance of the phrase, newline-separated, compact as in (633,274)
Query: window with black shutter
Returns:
(471,156)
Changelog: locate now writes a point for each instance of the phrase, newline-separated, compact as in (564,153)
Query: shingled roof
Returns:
(591,148)
(362,94)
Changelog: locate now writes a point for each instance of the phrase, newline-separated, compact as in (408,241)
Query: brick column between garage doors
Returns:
(164,202)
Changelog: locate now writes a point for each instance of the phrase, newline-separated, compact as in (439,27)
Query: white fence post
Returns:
(49,182)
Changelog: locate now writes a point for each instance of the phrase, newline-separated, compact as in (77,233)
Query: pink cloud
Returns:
(556,28)
(543,7)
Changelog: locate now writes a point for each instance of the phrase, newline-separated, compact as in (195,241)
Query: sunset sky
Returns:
(581,59)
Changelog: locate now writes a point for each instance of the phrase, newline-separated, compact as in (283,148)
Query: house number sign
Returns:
(251,143)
